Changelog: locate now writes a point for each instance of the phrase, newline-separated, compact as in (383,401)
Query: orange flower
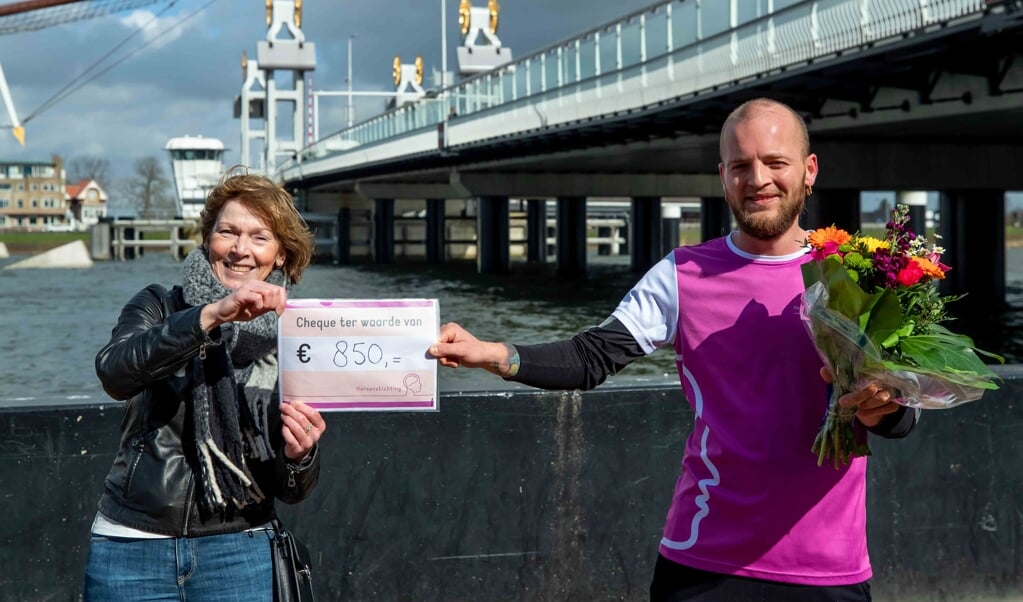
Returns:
(820,237)
(930,270)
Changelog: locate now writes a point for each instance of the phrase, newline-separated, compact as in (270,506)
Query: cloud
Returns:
(185,80)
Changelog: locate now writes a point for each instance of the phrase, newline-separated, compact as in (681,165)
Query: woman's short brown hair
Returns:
(274,205)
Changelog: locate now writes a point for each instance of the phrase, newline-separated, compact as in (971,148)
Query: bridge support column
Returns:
(344,236)
(492,237)
(917,202)
(646,232)
(572,236)
(436,243)
(715,218)
(383,231)
(972,231)
(838,207)
(536,231)
(671,218)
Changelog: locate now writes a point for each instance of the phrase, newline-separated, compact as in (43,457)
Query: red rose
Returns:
(910,275)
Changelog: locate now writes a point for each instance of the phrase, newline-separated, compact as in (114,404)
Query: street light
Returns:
(443,44)
(351,110)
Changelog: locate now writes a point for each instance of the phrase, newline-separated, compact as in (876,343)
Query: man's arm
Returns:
(898,424)
(582,362)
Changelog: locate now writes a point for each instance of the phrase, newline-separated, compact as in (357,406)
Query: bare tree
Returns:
(148,189)
(89,168)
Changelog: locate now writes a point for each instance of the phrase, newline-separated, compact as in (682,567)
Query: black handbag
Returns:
(293,577)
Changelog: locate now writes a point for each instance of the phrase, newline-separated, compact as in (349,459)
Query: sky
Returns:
(174,67)
(185,78)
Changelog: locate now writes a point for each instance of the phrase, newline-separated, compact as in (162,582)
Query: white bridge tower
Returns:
(283,58)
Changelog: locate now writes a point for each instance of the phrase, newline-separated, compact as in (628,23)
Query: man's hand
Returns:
(458,347)
(872,402)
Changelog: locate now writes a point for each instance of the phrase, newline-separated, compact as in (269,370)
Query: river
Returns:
(55,320)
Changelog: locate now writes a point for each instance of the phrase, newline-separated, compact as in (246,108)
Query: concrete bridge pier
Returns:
(436,245)
(646,232)
(715,218)
(344,236)
(835,206)
(536,231)
(492,236)
(973,234)
(571,245)
(383,230)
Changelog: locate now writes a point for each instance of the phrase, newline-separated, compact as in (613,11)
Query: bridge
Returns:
(902,95)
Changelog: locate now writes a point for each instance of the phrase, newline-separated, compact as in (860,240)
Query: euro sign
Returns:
(302,357)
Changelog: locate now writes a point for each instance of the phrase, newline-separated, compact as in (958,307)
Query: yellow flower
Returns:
(873,244)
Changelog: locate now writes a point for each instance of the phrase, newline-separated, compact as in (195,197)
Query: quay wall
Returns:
(527,495)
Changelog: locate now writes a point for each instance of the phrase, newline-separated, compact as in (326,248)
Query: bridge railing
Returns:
(674,48)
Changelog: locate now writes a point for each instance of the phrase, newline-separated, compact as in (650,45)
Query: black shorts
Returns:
(677,583)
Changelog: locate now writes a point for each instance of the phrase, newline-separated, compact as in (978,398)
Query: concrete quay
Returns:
(527,495)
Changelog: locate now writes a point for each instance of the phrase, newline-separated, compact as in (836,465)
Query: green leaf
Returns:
(948,355)
(877,315)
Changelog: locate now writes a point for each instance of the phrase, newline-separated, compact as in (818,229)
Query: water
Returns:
(54,320)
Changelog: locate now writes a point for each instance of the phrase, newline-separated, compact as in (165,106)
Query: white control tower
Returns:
(196,166)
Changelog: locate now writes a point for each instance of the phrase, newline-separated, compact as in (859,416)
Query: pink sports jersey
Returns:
(750,500)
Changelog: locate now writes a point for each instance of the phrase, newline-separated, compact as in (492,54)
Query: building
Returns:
(196,166)
(32,195)
(87,203)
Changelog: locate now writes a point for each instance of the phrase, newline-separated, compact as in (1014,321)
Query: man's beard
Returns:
(764,226)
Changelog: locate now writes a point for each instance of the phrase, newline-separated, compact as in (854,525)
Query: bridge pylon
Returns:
(476,22)
(284,50)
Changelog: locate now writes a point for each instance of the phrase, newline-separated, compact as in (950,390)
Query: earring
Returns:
(809,190)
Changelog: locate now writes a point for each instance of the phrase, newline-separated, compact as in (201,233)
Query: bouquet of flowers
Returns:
(874,313)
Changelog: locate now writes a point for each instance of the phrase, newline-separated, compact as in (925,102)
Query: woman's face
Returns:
(242,247)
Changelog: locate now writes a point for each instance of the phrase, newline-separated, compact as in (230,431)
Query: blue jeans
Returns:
(220,568)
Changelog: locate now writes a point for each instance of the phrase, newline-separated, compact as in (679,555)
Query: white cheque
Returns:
(359,354)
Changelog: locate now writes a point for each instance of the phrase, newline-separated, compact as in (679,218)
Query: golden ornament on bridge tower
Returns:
(495,9)
(464,12)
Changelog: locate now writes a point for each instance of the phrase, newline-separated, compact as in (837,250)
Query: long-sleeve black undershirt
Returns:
(588,358)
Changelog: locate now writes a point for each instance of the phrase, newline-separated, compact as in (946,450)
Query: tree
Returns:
(149,190)
(89,168)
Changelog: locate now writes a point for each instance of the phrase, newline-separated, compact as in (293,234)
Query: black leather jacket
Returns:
(151,485)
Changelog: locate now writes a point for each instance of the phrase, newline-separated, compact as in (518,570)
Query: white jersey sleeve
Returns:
(650,309)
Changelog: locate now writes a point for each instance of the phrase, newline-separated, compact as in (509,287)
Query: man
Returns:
(753,516)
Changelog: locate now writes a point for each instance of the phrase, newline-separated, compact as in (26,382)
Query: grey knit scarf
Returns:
(232,389)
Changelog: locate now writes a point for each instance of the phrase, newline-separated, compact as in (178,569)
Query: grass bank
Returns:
(29,243)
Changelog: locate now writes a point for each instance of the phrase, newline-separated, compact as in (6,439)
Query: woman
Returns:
(206,446)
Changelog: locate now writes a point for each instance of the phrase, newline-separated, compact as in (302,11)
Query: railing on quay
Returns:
(125,239)
(685,47)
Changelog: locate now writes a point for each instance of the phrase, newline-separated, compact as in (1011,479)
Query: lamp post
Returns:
(351,110)
(443,44)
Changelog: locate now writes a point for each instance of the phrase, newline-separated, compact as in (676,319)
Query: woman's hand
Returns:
(872,402)
(302,428)
(247,302)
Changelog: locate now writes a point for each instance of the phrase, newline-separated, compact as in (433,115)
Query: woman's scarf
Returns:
(232,388)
